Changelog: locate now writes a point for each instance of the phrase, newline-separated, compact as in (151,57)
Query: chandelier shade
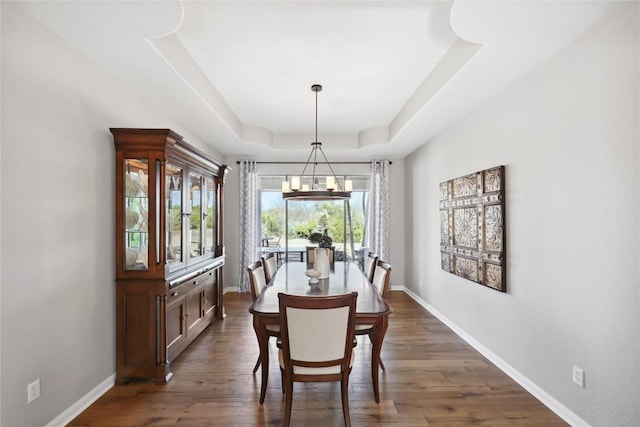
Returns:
(302,188)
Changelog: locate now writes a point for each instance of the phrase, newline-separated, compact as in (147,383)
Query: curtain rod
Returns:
(304,163)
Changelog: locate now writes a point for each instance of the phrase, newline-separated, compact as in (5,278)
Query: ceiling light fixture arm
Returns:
(319,147)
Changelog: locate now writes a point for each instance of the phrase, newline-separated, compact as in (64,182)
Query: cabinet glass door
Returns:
(195,217)
(210,216)
(173,205)
(136,214)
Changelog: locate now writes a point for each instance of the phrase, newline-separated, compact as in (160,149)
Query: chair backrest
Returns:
(270,265)
(271,241)
(370,262)
(381,276)
(311,256)
(317,333)
(256,278)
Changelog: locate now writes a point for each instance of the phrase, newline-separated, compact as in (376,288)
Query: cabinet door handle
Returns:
(195,282)
(174,294)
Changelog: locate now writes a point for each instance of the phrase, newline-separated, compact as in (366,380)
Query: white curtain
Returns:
(249,233)
(378,210)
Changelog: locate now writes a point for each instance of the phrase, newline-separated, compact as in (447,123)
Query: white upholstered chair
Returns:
(257,280)
(381,276)
(380,280)
(270,265)
(370,262)
(316,343)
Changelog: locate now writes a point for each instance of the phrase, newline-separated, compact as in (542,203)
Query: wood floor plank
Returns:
(432,378)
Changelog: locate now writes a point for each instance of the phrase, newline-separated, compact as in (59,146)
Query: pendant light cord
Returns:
(316,116)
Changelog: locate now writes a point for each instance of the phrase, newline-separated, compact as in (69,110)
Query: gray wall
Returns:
(568,136)
(57,213)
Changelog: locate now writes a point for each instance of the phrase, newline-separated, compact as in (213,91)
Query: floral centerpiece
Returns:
(321,239)
(321,257)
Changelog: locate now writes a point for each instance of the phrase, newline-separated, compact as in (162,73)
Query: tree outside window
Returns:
(307,217)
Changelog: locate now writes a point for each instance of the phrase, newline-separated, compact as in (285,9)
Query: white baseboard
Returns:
(544,397)
(74,410)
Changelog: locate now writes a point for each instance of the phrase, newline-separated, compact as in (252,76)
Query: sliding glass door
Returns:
(286,227)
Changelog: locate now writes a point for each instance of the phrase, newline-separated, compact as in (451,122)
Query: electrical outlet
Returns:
(33,391)
(578,376)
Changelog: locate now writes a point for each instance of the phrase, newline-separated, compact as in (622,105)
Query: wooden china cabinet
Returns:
(169,249)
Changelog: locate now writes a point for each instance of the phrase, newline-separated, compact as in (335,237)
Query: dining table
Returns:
(371,309)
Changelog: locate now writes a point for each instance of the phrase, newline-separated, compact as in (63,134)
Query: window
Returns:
(308,216)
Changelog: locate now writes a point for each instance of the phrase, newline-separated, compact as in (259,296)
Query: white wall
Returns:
(568,136)
(57,213)
(232,213)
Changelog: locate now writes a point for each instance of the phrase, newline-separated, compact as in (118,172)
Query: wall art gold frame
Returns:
(472,227)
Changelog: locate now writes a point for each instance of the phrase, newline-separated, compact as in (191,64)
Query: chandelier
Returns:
(299,188)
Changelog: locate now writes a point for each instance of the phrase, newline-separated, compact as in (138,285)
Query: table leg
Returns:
(263,342)
(377,337)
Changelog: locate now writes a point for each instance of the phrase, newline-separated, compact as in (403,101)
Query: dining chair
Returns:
(270,265)
(370,265)
(381,276)
(316,343)
(380,280)
(311,256)
(257,280)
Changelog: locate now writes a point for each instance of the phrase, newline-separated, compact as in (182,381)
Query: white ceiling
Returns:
(237,74)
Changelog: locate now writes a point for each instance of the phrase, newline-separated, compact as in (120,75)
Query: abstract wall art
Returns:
(472,227)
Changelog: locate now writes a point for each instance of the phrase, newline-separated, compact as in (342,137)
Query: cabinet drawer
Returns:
(178,292)
(209,277)
(183,288)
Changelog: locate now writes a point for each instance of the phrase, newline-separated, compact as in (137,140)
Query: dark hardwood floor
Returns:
(433,378)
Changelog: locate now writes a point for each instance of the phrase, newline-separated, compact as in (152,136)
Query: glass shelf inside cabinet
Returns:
(174,213)
(136,214)
(210,217)
(195,217)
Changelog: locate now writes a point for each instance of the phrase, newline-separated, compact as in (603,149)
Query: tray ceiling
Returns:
(237,75)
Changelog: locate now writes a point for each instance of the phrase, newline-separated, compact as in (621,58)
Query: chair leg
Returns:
(345,401)
(255,368)
(288,400)
(282,380)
